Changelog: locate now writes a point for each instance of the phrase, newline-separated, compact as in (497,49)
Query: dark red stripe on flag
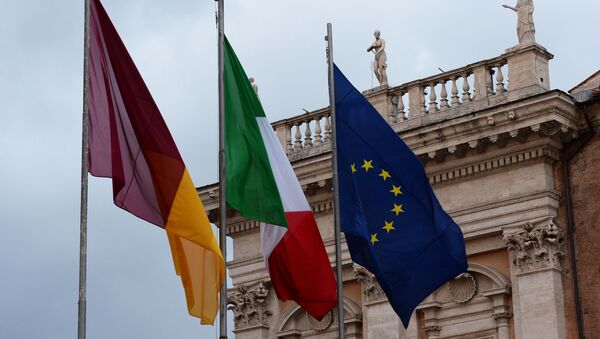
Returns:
(129,140)
(300,268)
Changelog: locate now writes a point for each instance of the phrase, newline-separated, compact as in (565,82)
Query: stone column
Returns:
(250,313)
(379,319)
(502,323)
(536,251)
(501,313)
(430,309)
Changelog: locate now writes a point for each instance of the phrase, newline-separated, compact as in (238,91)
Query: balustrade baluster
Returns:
(318,137)
(393,112)
(401,106)
(432,99)
(444,97)
(422,101)
(466,96)
(298,137)
(289,147)
(500,81)
(307,135)
(454,92)
(327,129)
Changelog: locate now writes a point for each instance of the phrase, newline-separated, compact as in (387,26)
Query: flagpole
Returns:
(222,178)
(336,195)
(81,309)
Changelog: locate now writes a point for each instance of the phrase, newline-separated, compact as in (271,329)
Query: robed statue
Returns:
(380,63)
(525,25)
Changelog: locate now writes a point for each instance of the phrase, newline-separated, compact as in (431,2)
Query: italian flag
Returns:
(262,186)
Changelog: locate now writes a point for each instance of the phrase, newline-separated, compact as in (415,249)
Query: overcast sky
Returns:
(133,291)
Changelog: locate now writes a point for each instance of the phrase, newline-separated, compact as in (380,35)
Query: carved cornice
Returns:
(370,287)
(536,247)
(249,306)
(492,164)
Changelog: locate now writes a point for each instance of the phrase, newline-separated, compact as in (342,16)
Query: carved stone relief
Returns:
(462,288)
(369,285)
(320,325)
(249,306)
(536,247)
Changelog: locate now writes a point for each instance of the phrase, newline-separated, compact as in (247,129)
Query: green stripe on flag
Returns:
(251,187)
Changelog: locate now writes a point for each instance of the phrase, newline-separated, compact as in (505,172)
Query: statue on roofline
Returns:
(525,25)
(380,63)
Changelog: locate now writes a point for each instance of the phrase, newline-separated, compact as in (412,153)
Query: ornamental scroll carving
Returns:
(536,247)
(369,285)
(249,306)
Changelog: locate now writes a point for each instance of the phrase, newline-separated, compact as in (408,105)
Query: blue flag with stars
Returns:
(393,223)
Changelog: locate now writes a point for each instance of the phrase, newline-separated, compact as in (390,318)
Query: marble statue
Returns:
(525,25)
(253,84)
(379,65)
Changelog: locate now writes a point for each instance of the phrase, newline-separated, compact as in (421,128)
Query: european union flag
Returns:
(393,223)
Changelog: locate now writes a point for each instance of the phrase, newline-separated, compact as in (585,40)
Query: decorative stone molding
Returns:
(536,247)
(369,285)
(294,322)
(501,316)
(462,288)
(321,325)
(492,164)
(249,306)
(432,331)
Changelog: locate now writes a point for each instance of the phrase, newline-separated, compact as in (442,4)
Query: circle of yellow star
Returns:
(384,174)
(374,238)
(397,209)
(353,168)
(396,190)
(367,165)
(389,226)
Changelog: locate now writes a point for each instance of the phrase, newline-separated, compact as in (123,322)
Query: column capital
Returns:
(536,246)
(249,305)
(369,285)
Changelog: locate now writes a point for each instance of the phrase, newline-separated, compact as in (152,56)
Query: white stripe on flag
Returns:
(291,194)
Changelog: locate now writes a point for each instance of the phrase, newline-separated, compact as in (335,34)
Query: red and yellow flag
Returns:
(130,143)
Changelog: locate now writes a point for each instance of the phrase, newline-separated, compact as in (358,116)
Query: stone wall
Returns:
(585,189)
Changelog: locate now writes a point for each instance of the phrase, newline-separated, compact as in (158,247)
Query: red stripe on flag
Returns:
(300,268)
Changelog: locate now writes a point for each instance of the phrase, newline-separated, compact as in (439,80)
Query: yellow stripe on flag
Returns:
(196,254)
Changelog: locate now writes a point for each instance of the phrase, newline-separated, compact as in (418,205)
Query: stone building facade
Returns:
(495,140)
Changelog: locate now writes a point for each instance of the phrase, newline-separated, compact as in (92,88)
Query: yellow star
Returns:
(384,174)
(389,226)
(374,238)
(367,165)
(353,168)
(396,190)
(397,209)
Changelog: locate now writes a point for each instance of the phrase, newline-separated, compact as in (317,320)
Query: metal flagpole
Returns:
(84,178)
(336,206)
(222,179)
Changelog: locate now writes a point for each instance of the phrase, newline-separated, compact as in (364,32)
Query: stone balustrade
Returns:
(304,132)
(449,90)
(453,93)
